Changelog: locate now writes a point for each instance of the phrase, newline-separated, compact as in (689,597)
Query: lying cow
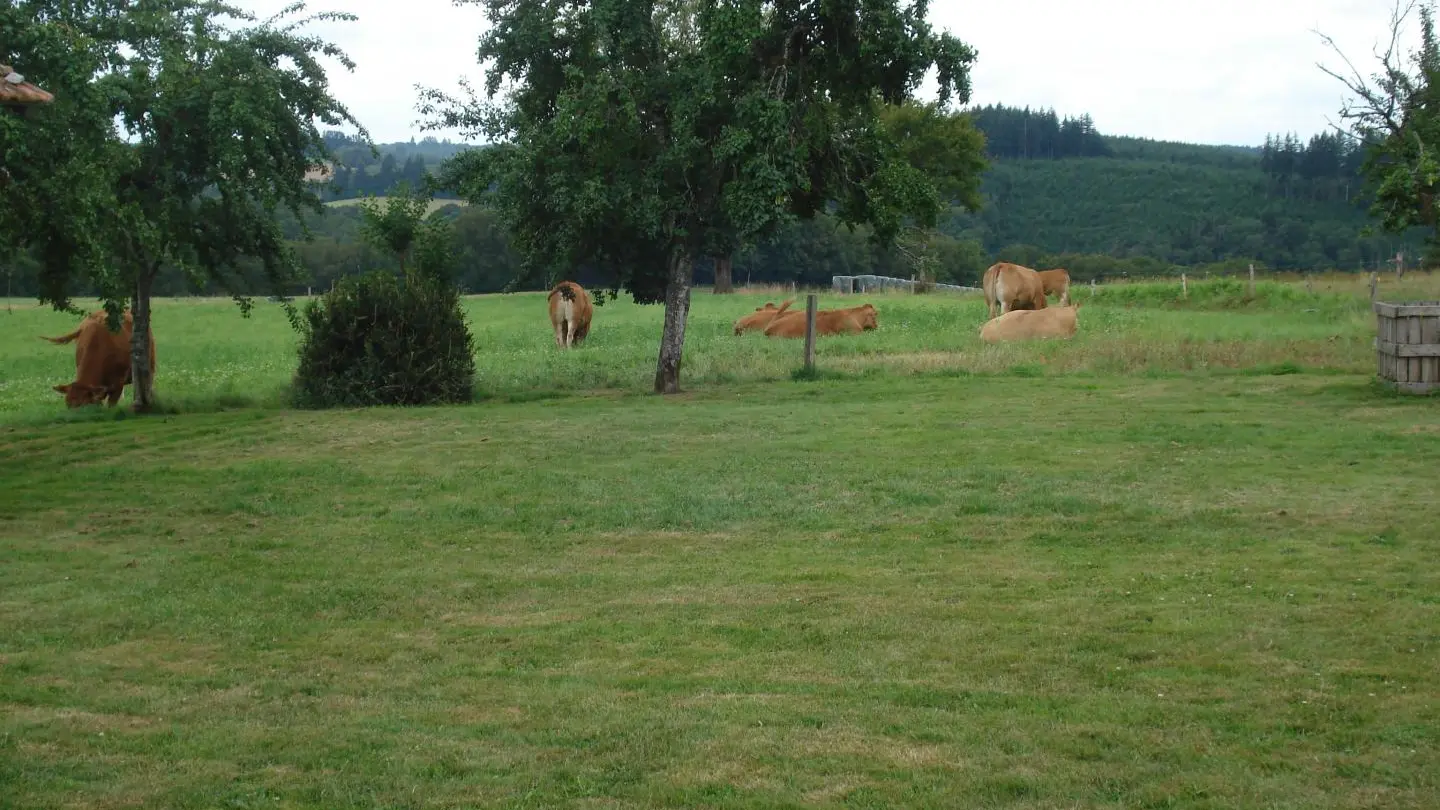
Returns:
(102,360)
(1031,324)
(570,311)
(850,321)
(760,318)
(1012,286)
(1056,282)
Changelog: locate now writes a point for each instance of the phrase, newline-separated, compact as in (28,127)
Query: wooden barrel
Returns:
(1407,345)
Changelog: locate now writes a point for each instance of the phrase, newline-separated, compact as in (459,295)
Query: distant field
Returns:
(435,205)
(208,355)
(1184,561)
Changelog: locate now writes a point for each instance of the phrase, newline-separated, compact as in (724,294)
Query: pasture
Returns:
(1182,561)
(210,357)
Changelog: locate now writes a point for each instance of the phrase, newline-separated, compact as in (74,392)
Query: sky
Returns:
(1216,72)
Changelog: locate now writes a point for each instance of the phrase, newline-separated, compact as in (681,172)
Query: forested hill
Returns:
(1060,186)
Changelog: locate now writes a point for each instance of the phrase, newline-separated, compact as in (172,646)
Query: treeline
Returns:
(1013,133)
(358,172)
(1178,213)
(1143,208)
(1326,168)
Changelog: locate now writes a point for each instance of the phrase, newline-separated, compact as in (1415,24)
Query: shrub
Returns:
(379,340)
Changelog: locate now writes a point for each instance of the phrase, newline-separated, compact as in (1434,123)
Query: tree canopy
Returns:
(638,136)
(1396,113)
(218,128)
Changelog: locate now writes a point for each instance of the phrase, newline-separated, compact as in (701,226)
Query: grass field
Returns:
(208,356)
(1183,561)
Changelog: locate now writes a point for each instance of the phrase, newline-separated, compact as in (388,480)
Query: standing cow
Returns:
(102,360)
(1056,282)
(1011,286)
(570,312)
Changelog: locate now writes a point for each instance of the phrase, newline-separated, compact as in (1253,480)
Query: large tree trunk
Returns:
(723,282)
(677,309)
(143,376)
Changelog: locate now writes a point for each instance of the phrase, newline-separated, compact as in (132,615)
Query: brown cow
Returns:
(1056,282)
(1030,324)
(827,322)
(570,312)
(1012,286)
(102,360)
(760,318)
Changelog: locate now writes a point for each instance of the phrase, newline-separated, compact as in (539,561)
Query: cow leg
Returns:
(570,327)
(114,394)
(560,334)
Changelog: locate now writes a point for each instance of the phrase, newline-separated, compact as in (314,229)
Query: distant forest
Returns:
(1058,193)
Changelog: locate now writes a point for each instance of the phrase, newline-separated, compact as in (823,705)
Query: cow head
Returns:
(78,395)
(865,315)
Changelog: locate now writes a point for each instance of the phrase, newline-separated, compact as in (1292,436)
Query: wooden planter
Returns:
(1407,345)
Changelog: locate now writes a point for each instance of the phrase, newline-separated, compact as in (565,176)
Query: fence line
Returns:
(867,283)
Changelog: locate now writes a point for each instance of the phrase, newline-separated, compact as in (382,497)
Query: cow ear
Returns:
(62,388)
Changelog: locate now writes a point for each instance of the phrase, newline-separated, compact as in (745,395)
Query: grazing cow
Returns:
(827,322)
(102,360)
(1012,286)
(570,312)
(1056,282)
(1031,324)
(760,318)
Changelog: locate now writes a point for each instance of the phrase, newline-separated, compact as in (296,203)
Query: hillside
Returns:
(1177,211)
(1058,187)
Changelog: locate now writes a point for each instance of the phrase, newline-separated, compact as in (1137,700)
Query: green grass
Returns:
(979,591)
(207,356)
(1184,560)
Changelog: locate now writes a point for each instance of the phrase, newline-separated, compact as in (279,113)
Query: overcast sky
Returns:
(1218,71)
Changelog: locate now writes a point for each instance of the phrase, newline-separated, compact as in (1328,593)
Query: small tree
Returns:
(949,150)
(421,244)
(385,338)
(1396,114)
(638,137)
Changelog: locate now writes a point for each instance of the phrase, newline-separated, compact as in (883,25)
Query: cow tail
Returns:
(776,317)
(64,338)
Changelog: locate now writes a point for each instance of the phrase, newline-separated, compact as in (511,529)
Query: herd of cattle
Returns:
(1018,292)
(102,357)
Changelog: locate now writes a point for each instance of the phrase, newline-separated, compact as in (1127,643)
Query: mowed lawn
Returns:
(1125,571)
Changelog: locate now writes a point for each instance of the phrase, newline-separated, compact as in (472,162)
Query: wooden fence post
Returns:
(1092,288)
(810,304)
(1184,286)
(1374,280)
(1252,281)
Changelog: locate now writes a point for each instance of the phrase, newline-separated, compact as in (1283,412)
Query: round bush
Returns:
(380,340)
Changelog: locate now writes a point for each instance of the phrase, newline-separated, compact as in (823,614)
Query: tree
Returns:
(950,151)
(219,129)
(1396,113)
(421,244)
(637,134)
